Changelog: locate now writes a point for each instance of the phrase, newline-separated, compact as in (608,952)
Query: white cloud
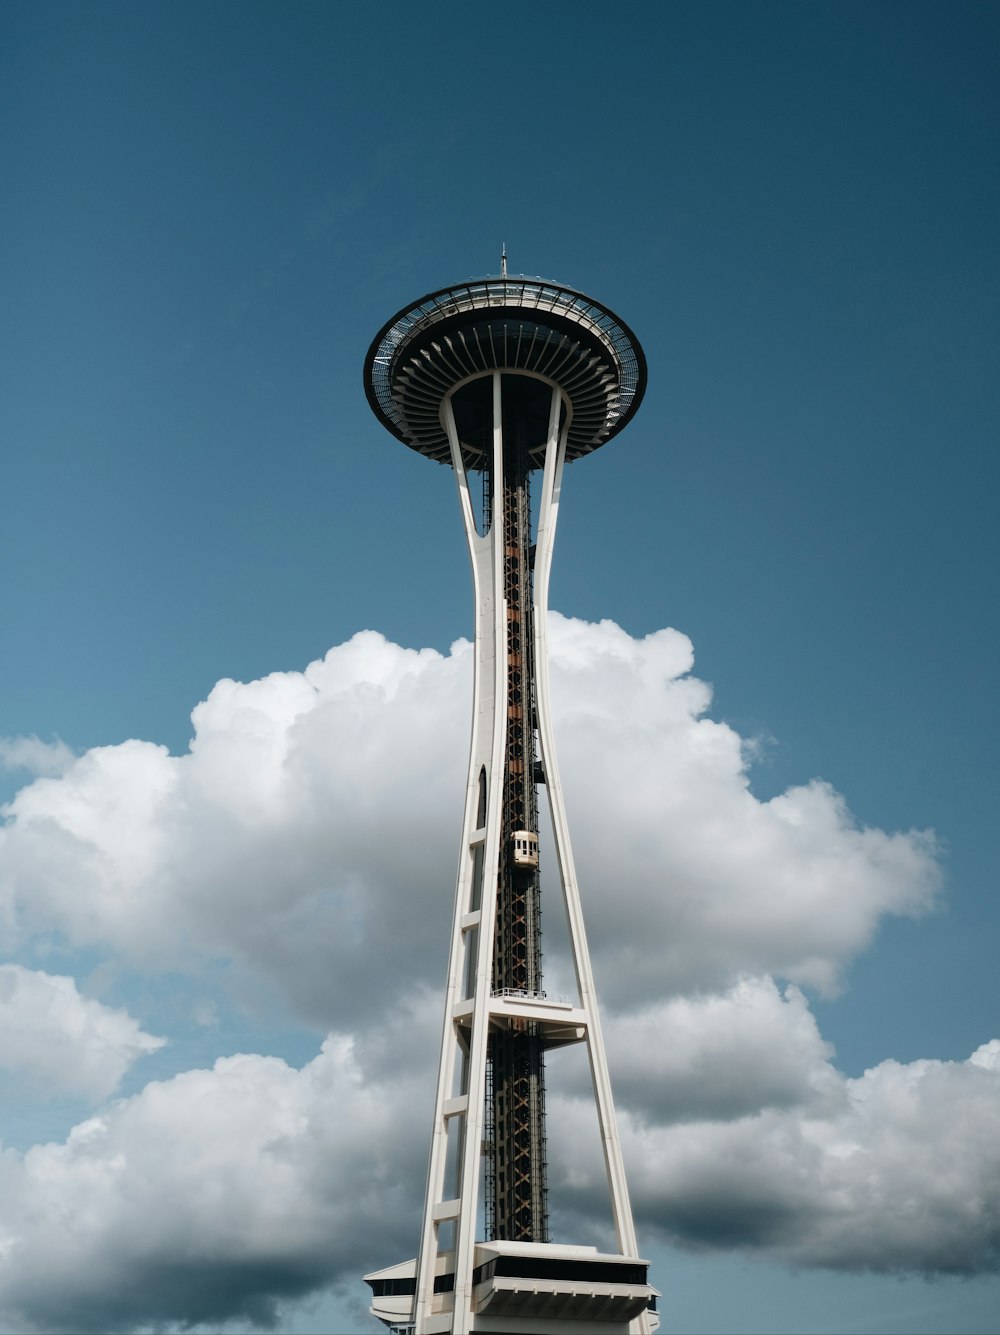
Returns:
(901,1173)
(305,832)
(212,1196)
(741,1133)
(674,847)
(34,755)
(222,1193)
(60,1042)
(312,828)
(721,1056)
(307,843)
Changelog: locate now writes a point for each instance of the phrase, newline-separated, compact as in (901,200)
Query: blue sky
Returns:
(208,212)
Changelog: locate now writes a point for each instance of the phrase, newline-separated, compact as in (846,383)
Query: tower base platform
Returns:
(527,1287)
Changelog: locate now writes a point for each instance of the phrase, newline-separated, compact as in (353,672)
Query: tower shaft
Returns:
(515,1187)
(502,379)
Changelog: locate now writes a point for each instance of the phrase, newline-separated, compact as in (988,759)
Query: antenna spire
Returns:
(503,259)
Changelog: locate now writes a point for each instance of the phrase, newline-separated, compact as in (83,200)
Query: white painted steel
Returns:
(467,1017)
(486,752)
(548,516)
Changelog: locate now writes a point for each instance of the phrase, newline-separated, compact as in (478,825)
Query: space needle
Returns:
(506,380)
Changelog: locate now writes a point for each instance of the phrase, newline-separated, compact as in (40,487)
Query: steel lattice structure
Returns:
(500,378)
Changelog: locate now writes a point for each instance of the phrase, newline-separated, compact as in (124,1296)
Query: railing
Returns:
(528,295)
(525,994)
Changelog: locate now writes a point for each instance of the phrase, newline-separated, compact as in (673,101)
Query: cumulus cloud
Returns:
(675,847)
(721,1056)
(34,755)
(222,1194)
(902,1173)
(212,1196)
(782,1155)
(306,843)
(312,827)
(303,834)
(60,1042)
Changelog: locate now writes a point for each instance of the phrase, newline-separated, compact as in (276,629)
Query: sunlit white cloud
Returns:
(306,843)
(312,826)
(721,1056)
(676,849)
(56,1041)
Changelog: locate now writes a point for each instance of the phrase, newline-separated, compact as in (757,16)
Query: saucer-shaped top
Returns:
(509,324)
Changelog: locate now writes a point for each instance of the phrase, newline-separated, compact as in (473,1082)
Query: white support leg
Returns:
(611,1144)
(467,1003)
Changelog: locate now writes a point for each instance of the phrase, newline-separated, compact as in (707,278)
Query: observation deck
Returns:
(518,1287)
(520,324)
